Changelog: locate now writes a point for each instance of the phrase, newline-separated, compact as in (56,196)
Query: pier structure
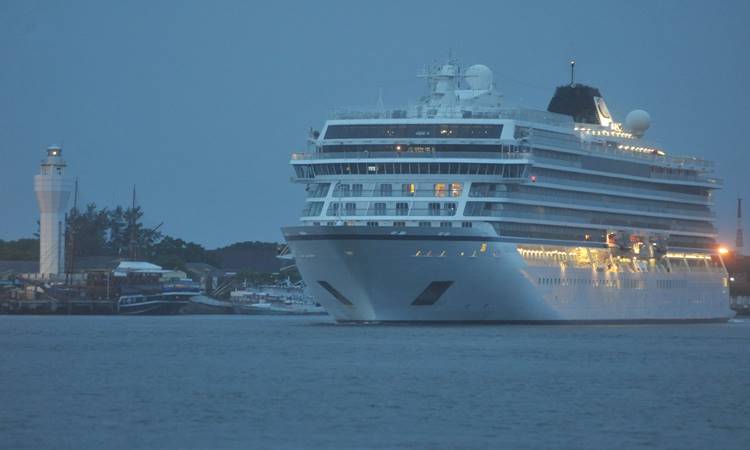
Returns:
(52,190)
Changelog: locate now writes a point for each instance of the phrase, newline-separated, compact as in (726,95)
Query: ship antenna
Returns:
(381,105)
(572,71)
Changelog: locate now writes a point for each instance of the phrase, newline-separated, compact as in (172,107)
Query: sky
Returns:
(200,104)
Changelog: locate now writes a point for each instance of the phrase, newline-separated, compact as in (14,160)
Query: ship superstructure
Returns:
(456,208)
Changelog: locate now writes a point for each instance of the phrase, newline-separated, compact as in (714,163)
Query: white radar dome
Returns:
(637,122)
(479,77)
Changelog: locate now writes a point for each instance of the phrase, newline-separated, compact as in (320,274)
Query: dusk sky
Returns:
(199,104)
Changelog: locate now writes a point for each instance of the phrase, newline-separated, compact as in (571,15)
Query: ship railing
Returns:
(424,111)
(634,190)
(409,155)
(479,212)
(577,200)
(675,161)
(393,212)
(369,194)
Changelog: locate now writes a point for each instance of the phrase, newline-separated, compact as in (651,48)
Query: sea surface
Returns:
(183,382)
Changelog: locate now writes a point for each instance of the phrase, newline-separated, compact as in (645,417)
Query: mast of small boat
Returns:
(71,251)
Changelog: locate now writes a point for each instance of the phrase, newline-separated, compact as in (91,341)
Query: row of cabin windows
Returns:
(619,284)
(407,190)
(533,192)
(400,209)
(539,231)
(671,284)
(420,131)
(495,209)
(552,176)
(411,149)
(413,168)
(373,223)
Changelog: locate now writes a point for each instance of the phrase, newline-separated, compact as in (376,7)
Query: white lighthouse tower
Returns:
(52,190)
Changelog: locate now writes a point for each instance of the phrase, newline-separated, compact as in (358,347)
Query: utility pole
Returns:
(739,244)
(133,234)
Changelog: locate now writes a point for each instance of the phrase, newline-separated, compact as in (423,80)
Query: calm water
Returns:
(260,382)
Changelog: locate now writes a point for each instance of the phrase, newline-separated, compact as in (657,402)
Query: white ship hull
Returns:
(386,274)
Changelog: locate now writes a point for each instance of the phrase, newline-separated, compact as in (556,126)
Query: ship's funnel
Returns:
(584,103)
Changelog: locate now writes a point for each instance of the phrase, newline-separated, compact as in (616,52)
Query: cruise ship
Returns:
(458,208)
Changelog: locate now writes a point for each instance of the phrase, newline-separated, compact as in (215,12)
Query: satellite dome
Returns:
(479,77)
(637,122)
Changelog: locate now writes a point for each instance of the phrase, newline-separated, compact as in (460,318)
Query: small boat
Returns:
(202,304)
(276,299)
(140,288)
(263,307)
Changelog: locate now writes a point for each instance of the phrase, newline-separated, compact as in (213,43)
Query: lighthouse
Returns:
(52,190)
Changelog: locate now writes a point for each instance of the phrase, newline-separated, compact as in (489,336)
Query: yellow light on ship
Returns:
(723,250)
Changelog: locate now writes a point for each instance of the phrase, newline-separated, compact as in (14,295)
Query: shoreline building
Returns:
(52,190)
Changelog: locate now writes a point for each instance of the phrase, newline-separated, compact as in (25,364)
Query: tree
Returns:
(86,232)
(118,245)
(175,253)
(20,250)
(137,239)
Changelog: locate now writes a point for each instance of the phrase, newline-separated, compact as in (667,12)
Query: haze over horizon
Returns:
(200,105)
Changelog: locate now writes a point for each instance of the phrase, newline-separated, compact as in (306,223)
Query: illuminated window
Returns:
(456,189)
(440,189)
(408,189)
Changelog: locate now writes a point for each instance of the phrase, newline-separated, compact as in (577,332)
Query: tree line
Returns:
(118,233)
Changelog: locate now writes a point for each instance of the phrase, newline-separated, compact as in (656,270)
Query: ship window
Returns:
(372,224)
(446,224)
(434,209)
(465,224)
(402,209)
(356,190)
(399,224)
(351,209)
(408,189)
(379,209)
(456,189)
(440,189)
(386,190)
(313,209)
(425,224)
